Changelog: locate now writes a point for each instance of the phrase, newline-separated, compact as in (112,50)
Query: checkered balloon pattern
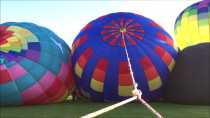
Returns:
(35,65)
(193,25)
(100,63)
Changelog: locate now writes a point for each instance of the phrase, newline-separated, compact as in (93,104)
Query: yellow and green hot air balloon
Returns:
(193,25)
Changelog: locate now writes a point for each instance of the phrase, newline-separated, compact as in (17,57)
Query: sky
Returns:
(67,18)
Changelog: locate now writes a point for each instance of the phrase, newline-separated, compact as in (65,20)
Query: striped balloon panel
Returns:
(125,84)
(99,75)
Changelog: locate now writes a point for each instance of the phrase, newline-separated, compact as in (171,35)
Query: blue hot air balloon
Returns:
(35,65)
(101,65)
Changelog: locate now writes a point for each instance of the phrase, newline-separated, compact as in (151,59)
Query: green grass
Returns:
(77,109)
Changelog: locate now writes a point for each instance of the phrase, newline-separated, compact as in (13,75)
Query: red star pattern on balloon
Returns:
(113,32)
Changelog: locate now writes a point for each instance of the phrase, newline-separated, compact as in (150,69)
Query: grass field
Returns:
(77,109)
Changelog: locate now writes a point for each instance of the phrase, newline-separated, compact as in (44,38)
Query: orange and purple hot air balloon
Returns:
(100,63)
(35,65)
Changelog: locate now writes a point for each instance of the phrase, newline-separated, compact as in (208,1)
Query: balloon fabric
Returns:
(193,25)
(100,63)
(189,81)
(34,65)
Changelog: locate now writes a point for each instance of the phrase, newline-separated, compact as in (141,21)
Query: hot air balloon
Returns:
(101,65)
(35,65)
(193,25)
(191,86)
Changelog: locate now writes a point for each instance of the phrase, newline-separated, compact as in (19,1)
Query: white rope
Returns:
(135,85)
(137,96)
(106,109)
(109,108)
(157,114)
(134,82)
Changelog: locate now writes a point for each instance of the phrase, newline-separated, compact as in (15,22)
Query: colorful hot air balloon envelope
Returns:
(193,25)
(100,62)
(34,65)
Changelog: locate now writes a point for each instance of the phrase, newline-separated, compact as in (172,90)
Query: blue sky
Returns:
(66,18)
